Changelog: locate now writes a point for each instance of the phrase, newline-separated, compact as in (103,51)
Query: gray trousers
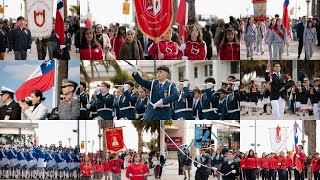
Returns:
(41,50)
(259,44)
(250,44)
(116,176)
(20,55)
(85,178)
(309,48)
(277,51)
(51,47)
(270,51)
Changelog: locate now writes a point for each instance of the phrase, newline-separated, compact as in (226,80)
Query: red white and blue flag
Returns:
(182,16)
(41,79)
(88,20)
(299,165)
(59,25)
(285,16)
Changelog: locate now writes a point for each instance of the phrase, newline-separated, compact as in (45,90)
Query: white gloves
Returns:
(88,106)
(184,57)
(210,85)
(125,87)
(185,83)
(294,167)
(258,167)
(279,164)
(115,118)
(29,50)
(11,52)
(7,50)
(236,85)
(98,90)
(203,86)
(182,47)
(214,168)
(233,171)
(77,50)
(158,104)
(297,156)
(62,46)
(198,165)
(135,68)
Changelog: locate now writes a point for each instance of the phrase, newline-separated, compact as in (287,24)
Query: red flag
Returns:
(154,17)
(88,20)
(114,139)
(182,16)
(59,25)
(285,16)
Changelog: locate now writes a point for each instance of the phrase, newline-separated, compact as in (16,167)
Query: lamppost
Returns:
(69,139)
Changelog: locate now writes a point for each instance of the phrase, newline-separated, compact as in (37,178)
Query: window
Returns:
(235,67)
(181,73)
(195,72)
(208,70)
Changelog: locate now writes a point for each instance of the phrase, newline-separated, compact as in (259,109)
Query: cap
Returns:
(67,82)
(163,68)
(224,82)
(5,90)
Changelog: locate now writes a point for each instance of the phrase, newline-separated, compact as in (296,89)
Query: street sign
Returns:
(126,8)
(82,145)
(1,10)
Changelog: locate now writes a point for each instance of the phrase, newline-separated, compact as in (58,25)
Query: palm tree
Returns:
(192,10)
(154,127)
(311,131)
(93,67)
(63,66)
(104,125)
(139,125)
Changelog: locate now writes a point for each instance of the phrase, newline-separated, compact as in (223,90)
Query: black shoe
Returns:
(251,58)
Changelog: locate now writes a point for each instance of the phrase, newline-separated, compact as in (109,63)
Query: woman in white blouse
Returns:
(36,110)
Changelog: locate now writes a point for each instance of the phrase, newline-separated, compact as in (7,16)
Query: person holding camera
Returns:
(33,108)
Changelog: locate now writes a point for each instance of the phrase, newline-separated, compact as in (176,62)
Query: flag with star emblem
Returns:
(299,165)
(41,79)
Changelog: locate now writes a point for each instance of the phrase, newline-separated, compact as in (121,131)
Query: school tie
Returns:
(160,85)
(194,104)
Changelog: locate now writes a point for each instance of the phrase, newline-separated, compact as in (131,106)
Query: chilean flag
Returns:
(59,25)
(285,16)
(88,20)
(182,15)
(42,79)
(298,162)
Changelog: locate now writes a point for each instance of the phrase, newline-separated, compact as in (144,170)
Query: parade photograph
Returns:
(279,90)
(200,150)
(39,30)
(280,30)
(119,150)
(39,90)
(279,149)
(159,30)
(28,150)
(159,90)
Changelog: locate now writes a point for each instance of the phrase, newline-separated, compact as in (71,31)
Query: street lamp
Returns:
(69,139)
(100,135)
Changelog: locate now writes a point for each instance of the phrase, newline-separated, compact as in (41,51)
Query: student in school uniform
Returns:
(250,37)
(310,39)
(222,108)
(261,30)
(182,107)
(268,35)
(232,102)
(277,38)
(282,166)
(305,98)
(115,166)
(142,103)
(105,101)
(314,97)
(209,99)
(127,102)
(230,166)
(196,105)
(250,164)
(136,170)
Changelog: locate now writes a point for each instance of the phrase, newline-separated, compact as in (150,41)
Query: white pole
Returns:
(85,136)
(55,87)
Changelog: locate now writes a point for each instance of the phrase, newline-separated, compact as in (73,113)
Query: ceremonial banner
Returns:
(259,10)
(154,17)
(278,137)
(202,135)
(114,139)
(40,17)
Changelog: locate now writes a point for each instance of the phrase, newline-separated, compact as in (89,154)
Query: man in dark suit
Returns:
(301,26)
(145,43)
(278,94)
(11,109)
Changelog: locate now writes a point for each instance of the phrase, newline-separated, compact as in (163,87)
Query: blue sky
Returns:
(14,73)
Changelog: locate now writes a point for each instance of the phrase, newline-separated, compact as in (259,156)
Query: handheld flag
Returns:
(59,25)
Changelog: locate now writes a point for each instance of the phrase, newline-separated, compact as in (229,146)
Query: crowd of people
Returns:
(117,42)
(109,166)
(33,108)
(277,38)
(300,98)
(16,39)
(161,99)
(39,162)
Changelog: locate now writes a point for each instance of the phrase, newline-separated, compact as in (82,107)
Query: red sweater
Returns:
(169,49)
(106,166)
(273,163)
(263,163)
(282,162)
(115,165)
(86,169)
(229,52)
(289,162)
(136,169)
(195,50)
(116,43)
(316,167)
(313,164)
(302,158)
(98,168)
(250,163)
(91,53)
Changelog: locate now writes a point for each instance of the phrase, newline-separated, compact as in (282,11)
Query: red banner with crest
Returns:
(154,17)
(114,139)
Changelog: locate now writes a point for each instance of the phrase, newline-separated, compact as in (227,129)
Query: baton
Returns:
(150,76)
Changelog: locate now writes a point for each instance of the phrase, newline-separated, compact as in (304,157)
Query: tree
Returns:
(139,125)
(151,145)
(63,67)
(192,10)
(121,78)
(311,131)
(153,127)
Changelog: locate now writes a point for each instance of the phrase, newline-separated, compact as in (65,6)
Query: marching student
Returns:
(230,46)
(266,97)
(277,38)
(32,162)
(289,165)
(297,97)
(182,107)
(250,37)
(279,84)
(12,157)
(202,172)
(115,166)
(127,102)
(194,48)
(299,158)
(282,166)
(305,95)
(136,170)
(273,164)
(243,100)
(222,107)
(310,39)
(187,162)
(250,164)
(315,166)
(230,166)
(5,165)
(61,163)
(254,96)
(97,169)
(105,101)
(106,168)
(40,156)
(84,100)
(196,107)
(261,30)
(315,97)
(263,161)
(162,94)
(165,48)
(86,169)
(268,35)
(209,99)
(51,163)
(142,103)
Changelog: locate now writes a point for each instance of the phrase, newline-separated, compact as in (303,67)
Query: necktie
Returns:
(194,104)
(160,86)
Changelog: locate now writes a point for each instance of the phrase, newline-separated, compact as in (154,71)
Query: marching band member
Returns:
(61,163)
(4,162)
(232,102)
(86,169)
(84,100)
(197,109)
(51,163)
(22,161)
(105,101)
(182,107)
(41,164)
(32,162)
(142,103)
(12,156)
(127,102)
(305,101)
(315,97)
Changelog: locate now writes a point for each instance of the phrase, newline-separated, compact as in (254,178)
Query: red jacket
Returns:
(98,168)
(263,163)
(106,166)
(273,163)
(169,49)
(289,162)
(241,163)
(302,158)
(86,169)
(230,51)
(313,164)
(115,165)
(250,163)
(195,50)
(316,167)
(136,169)
(282,162)
(91,53)
(116,43)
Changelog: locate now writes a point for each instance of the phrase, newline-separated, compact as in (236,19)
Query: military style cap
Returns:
(5,90)
(67,82)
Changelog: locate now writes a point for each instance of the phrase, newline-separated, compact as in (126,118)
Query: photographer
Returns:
(33,108)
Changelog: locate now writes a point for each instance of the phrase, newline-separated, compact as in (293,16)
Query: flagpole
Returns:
(55,87)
